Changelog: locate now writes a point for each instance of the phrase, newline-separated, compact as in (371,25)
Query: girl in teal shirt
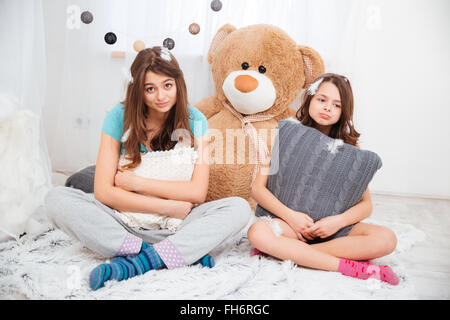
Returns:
(154,111)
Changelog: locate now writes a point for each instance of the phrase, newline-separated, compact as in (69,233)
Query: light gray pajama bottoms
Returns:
(99,228)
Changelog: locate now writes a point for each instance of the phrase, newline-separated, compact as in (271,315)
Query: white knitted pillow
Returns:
(175,165)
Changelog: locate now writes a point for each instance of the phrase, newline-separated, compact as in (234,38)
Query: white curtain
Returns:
(394,52)
(85,81)
(25,170)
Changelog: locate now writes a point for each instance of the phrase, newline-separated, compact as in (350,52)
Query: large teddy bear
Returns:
(258,72)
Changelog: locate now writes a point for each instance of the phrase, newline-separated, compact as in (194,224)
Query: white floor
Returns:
(427,261)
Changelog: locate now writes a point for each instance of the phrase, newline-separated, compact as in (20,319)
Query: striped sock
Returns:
(206,261)
(128,269)
(152,256)
(99,275)
(123,268)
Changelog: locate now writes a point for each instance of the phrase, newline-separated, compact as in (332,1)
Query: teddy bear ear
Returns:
(221,34)
(313,65)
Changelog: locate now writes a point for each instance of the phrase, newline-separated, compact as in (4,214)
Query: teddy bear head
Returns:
(259,69)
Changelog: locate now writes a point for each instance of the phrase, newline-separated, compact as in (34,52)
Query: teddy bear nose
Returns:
(245,83)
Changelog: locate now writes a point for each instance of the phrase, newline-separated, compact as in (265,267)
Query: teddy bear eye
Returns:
(262,69)
(245,65)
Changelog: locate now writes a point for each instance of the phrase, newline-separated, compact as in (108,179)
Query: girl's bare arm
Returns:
(298,221)
(358,212)
(265,198)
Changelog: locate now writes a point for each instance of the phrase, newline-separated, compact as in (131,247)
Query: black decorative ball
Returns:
(169,43)
(110,38)
(87,17)
(216,5)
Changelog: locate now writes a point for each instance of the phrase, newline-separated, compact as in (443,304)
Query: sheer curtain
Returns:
(85,81)
(392,51)
(25,170)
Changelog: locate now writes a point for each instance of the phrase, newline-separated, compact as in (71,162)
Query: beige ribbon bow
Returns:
(259,146)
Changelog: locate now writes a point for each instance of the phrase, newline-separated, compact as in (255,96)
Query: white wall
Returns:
(400,76)
(394,52)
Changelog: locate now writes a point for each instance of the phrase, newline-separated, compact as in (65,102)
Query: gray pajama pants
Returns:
(99,228)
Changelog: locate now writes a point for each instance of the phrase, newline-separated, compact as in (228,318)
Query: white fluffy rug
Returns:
(52,266)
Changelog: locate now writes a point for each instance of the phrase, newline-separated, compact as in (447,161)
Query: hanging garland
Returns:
(139,45)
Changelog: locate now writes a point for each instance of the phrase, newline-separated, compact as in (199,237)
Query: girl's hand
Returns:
(178,209)
(300,223)
(325,227)
(126,179)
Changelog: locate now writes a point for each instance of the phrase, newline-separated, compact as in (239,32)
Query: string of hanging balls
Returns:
(111,38)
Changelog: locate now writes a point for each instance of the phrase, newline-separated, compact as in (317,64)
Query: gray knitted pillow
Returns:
(316,174)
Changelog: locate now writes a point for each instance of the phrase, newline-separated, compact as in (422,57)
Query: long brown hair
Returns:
(343,129)
(136,112)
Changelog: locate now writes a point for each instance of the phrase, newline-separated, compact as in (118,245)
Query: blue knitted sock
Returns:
(123,268)
(99,275)
(121,263)
(153,258)
(206,261)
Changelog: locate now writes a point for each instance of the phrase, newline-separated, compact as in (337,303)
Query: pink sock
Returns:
(256,252)
(365,270)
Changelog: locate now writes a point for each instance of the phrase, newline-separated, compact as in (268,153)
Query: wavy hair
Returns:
(343,129)
(136,113)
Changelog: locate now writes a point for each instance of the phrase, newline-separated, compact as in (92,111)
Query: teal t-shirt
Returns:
(113,124)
